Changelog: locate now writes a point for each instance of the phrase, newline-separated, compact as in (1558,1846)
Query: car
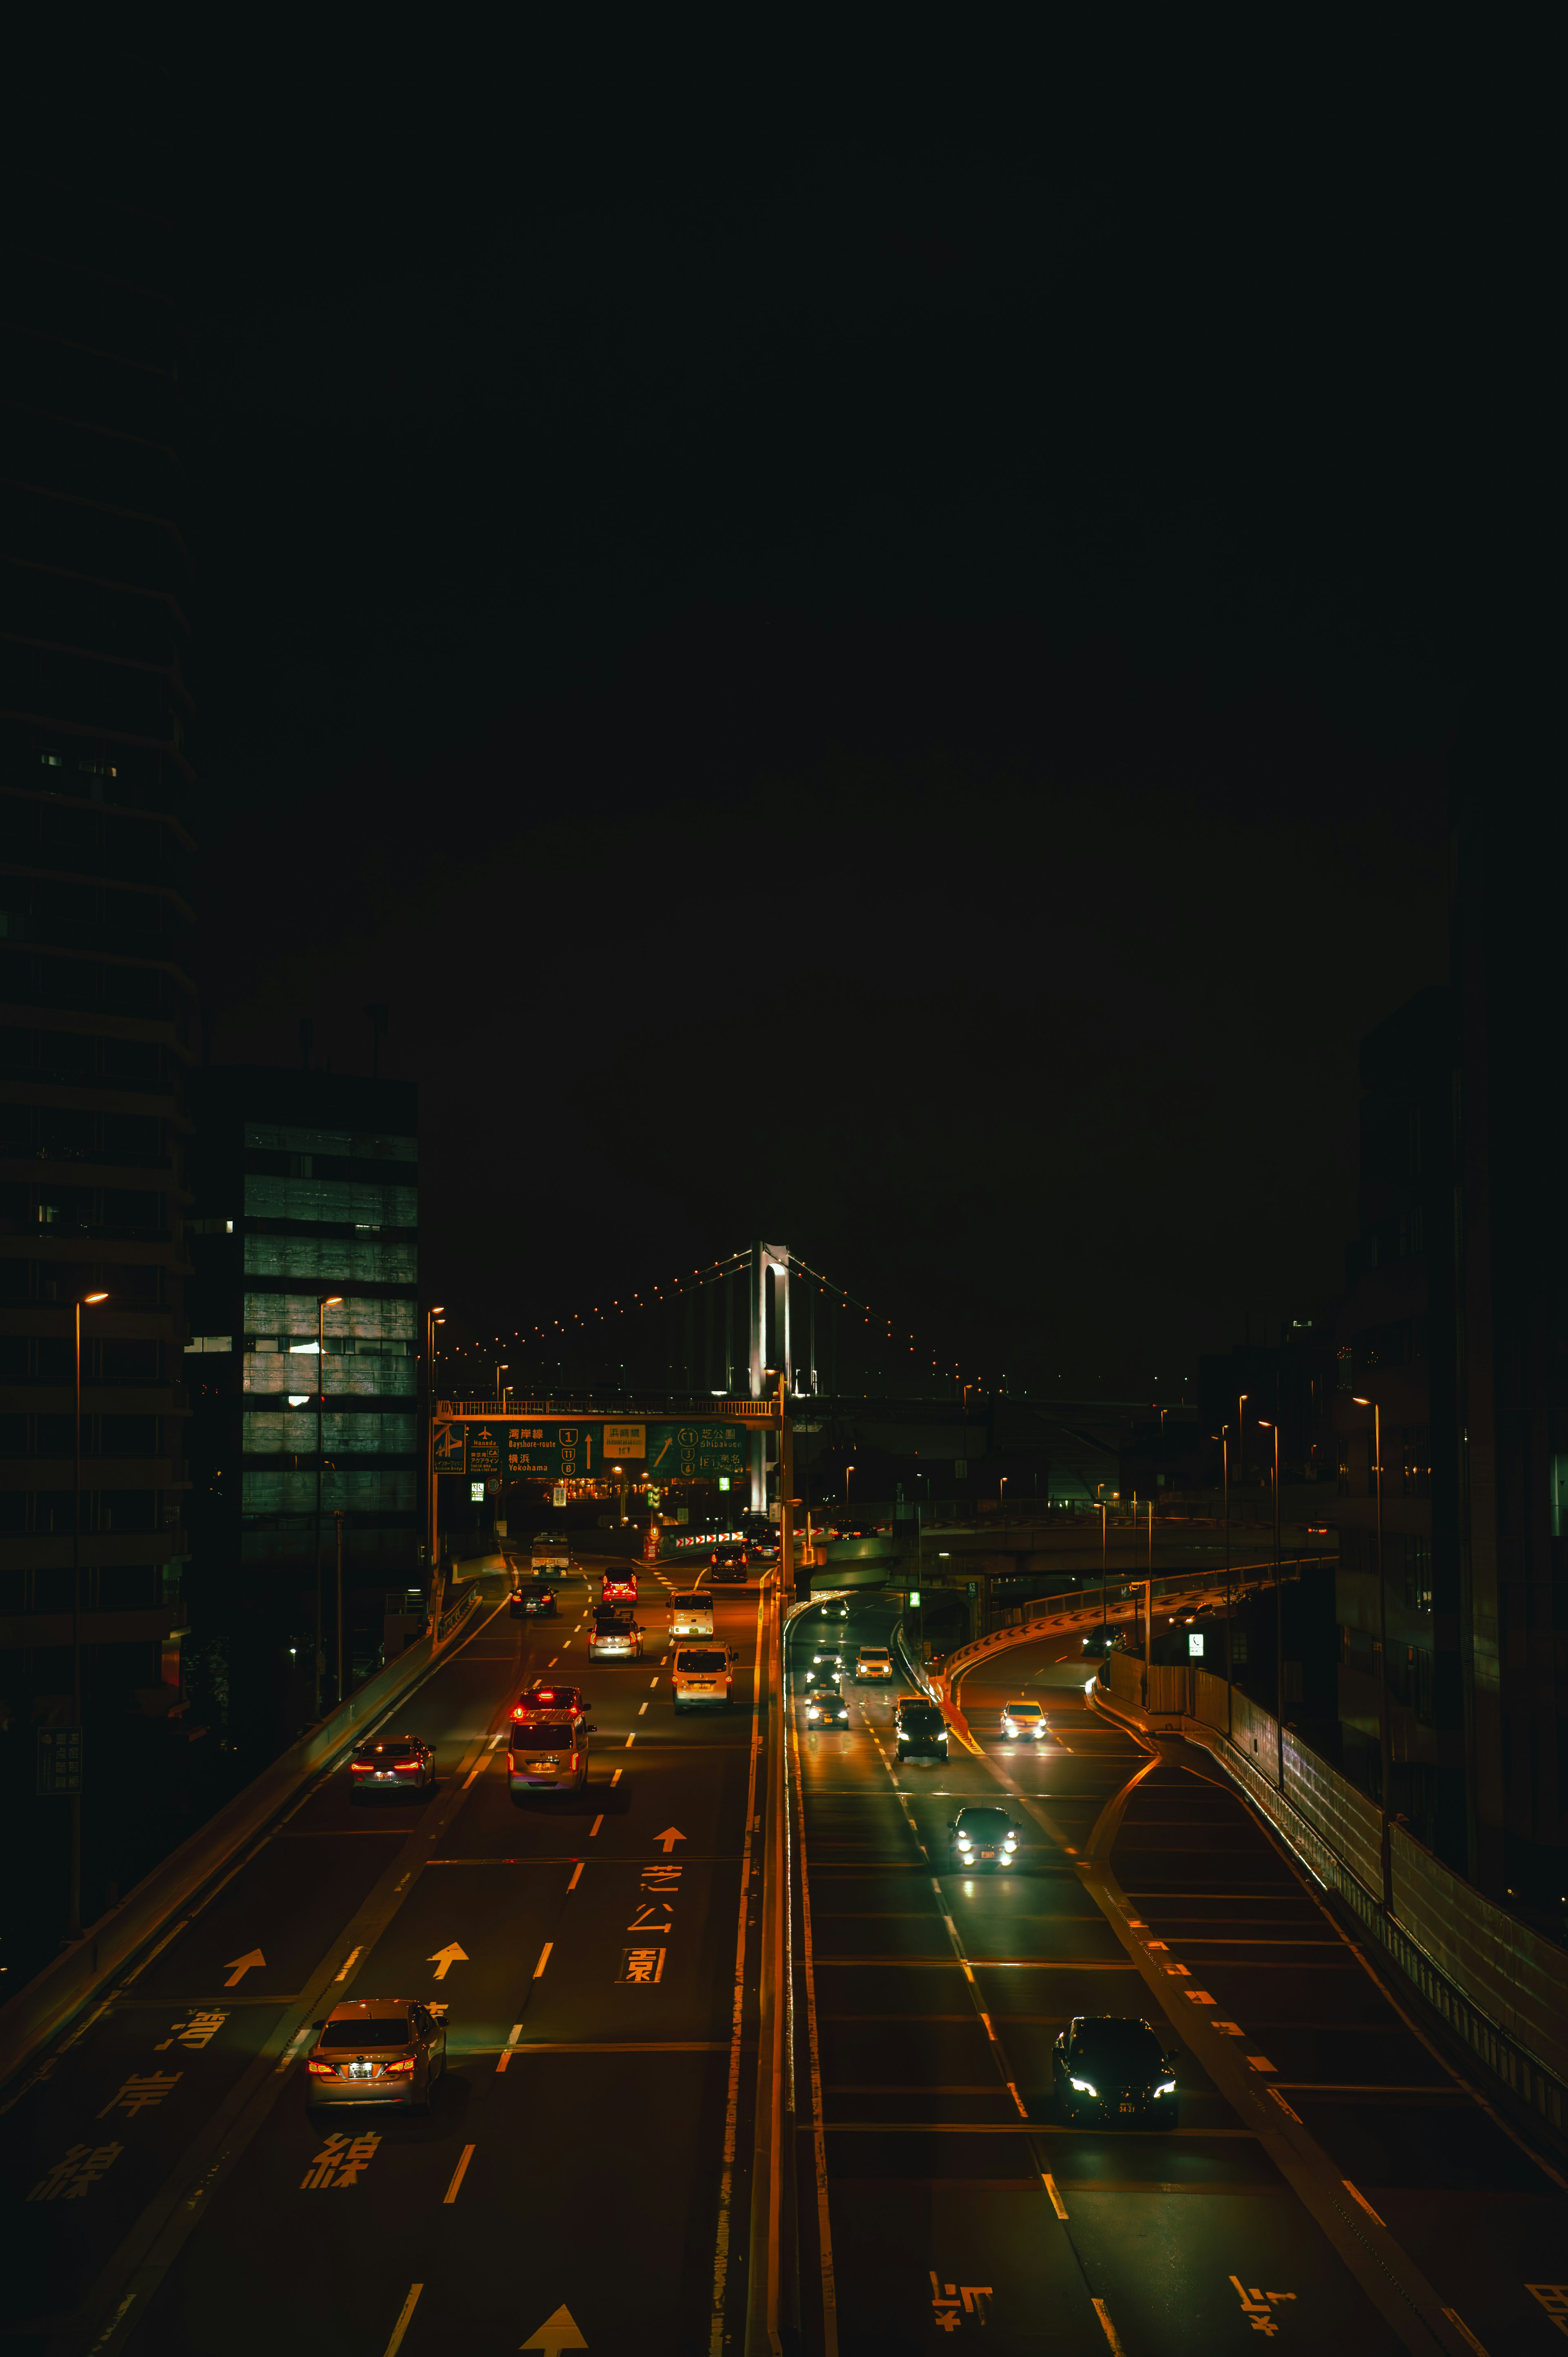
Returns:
(615,1636)
(378,2051)
(1100,1641)
(393,1763)
(728,1564)
(829,1659)
(1023,1719)
(1114,2066)
(538,1696)
(826,1706)
(547,1751)
(702,1675)
(533,1600)
(874,1663)
(692,1613)
(921,1729)
(765,1547)
(834,1608)
(982,1836)
(618,1588)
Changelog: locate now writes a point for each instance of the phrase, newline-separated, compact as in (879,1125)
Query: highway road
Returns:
(1332,2182)
(587,2152)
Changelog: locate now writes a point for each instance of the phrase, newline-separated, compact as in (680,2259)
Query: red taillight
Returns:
(405,1763)
(322,2069)
(363,1768)
(393,2069)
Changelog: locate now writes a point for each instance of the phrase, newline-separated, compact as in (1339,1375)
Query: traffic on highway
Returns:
(1072,2053)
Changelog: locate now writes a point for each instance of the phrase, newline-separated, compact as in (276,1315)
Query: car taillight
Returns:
(405,1763)
(322,2069)
(363,1768)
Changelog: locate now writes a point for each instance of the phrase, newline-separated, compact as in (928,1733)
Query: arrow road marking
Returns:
(444,1958)
(240,1966)
(669,1836)
(557,2332)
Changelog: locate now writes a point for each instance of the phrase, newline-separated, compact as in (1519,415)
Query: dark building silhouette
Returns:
(97,788)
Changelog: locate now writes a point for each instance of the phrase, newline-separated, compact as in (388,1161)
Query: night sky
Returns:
(883,690)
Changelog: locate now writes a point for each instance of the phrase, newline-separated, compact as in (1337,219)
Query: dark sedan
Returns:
(1114,2067)
(984,1836)
(532,1601)
(393,1764)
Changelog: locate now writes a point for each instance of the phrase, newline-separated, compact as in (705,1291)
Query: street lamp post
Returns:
(504,1369)
(1225,1462)
(1104,1613)
(1385,1747)
(432,1317)
(1002,1498)
(328,1301)
(847,1471)
(73,1926)
(1279,1620)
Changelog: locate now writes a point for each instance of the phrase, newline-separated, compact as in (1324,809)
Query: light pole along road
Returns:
(592,2147)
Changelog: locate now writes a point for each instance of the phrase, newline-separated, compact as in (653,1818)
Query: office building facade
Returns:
(306,1186)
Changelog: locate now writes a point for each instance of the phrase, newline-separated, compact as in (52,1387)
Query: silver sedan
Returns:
(378,2050)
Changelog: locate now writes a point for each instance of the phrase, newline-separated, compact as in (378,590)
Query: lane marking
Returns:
(653,1682)
(593,1828)
(349,1961)
(477,1768)
(631,1738)
(550,1665)
(640,1708)
(496,1738)
(1058,2204)
(1110,2332)
(404,2317)
(543,1959)
(1457,2321)
(1350,2189)
(451,2193)
(577,1876)
(616,1776)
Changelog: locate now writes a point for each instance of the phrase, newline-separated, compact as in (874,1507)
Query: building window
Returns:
(1415,1460)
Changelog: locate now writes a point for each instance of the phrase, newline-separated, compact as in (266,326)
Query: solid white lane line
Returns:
(543,1959)
(349,1961)
(1361,2197)
(404,2315)
(451,2192)
(577,1876)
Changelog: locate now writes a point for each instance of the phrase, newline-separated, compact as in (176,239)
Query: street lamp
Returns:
(1385,1747)
(1104,1615)
(1265,1425)
(847,1471)
(503,1368)
(327,1301)
(433,1316)
(1001,1497)
(73,1927)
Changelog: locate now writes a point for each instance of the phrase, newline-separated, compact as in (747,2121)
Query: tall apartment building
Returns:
(306,1186)
(97,789)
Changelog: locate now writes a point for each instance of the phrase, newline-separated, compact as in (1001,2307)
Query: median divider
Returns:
(40,2011)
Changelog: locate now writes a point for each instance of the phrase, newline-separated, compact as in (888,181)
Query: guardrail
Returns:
(40,2011)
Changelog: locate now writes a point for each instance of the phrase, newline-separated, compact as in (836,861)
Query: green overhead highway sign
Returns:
(534,1449)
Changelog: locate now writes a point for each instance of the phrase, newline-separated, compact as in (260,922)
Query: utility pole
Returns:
(432,1317)
(1279,1621)
(340,1518)
(1104,1614)
(73,1918)
(1225,1462)
(324,1303)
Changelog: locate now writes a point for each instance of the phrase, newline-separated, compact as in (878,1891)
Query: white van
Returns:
(701,1673)
(691,1614)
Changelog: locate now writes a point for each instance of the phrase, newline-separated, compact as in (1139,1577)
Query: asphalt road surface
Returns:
(1332,2181)
(587,2150)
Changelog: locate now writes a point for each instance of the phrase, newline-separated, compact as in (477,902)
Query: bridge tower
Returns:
(770,1276)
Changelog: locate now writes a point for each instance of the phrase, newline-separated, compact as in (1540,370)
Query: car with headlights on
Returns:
(827,1661)
(921,1729)
(1114,2067)
(615,1636)
(833,1608)
(983,1837)
(378,2051)
(1023,1719)
(874,1663)
(393,1763)
(826,1706)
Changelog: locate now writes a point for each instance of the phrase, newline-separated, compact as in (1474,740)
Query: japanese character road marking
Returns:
(339,2163)
(196,2033)
(1552,2298)
(1258,2307)
(142,2094)
(641,1966)
(76,2174)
